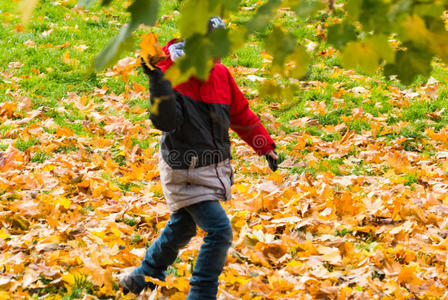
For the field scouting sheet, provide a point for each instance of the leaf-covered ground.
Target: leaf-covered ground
(358, 209)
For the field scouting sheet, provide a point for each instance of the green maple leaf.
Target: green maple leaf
(409, 64)
(341, 34)
(194, 17)
(280, 44)
(360, 54)
(263, 16)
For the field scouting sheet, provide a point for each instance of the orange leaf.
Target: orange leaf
(70, 61)
(138, 88)
(151, 51)
(64, 45)
(66, 57)
(19, 28)
(408, 275)
(7, 109)
(344, 204)
(64, 131)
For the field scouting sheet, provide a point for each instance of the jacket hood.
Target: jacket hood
(167, 63)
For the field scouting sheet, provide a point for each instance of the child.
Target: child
(195, 170)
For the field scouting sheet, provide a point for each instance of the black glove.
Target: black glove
(147, 70)
(272, 162)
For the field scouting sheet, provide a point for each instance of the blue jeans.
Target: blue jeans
(210, 217)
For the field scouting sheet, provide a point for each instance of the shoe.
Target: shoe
(130, 283)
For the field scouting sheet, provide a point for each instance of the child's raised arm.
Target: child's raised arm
(165, 113)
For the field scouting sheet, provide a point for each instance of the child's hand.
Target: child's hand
(148, 69)
(272, 159)
(145, 67)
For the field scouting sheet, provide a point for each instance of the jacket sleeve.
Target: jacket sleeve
(246, 124)
(166, 112)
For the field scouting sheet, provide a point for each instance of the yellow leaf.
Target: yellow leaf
(3, 234)
(279, 284)
(330, 254)
(182, 284)
(151, 52)
(48, 168)
(344, 204)
(415, 28)
(295, 267)
(276, 177)
(18, 221)
(64, 202)
(100, 234)
(178, 296)
(115, 231)
(4, 295)
(239, 219)
(64, 45)
(156, 281)
(69, 279)
(138, 88)
(241, 187)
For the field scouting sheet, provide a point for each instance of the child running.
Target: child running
(195, 169)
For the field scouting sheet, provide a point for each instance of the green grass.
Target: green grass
(45, 56)
(411, 178)
(81, 286)
(39, 157)
(23, 145)
(249, 56)
(143, 144)
(4, 129)
(130, 222)
(67, 149)
(136, 238)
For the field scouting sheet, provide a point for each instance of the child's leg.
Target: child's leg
(163, 251)
(212, 218)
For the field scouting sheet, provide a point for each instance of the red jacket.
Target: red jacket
(196, 116)
(222, 88)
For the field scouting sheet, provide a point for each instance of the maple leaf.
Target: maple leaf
(7, 109)
(436, 115)
(151, 52)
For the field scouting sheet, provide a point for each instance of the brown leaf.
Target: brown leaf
(43, 270)
(436, 115)
(303, 122)
(330, 254)
(19, 222)
(433, 90)
(29, 277)
(27, 207)
(414, 211)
